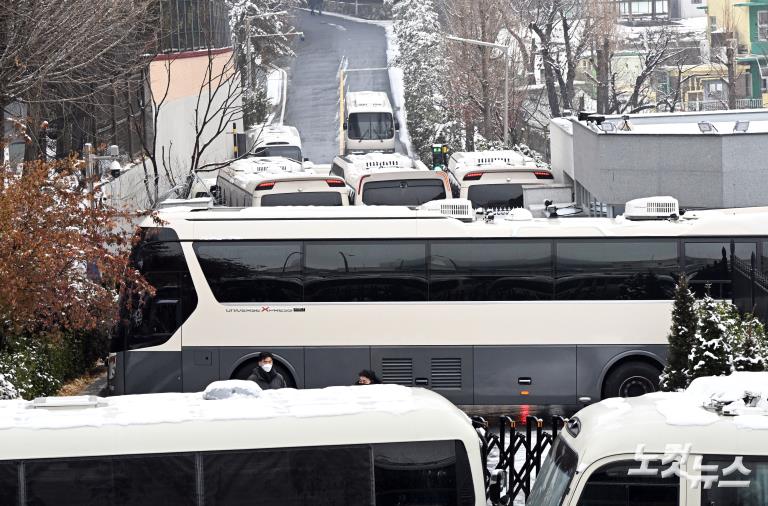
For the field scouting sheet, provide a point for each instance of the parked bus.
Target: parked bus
(390, 180)
(277, 181)
(369, 122)
(340, 446)
(664, 450)
(275, 140)
(500, 310)
(494, 179)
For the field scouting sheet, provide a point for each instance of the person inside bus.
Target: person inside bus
(264, 375)
(367, 377)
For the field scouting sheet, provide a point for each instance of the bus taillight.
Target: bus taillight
(266, 185)
(335, 183)
(473, 176)
(543, 174)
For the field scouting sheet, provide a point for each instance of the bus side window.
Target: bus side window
(745, 485)
(612, 484)
(9, 483)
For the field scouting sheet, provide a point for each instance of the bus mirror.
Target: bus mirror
(344, 125)
(397, 125)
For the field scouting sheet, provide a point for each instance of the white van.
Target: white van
(494, 179)
(275, 140)
(390, 179)
(360, 445)
(276, 181)
(702, 447)
(369, 122)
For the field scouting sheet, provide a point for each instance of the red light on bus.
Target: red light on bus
(473, 176)
(543, 174)
(335, 183)
(266, 185)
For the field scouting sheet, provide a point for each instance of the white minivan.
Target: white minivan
(390, 179)
(275, 140)
(706, 446)
(276, 181)
(494, 179)
(369, 122)
(236, 445)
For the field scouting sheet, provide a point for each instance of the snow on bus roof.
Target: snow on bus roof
(151, 409)
(711, 415)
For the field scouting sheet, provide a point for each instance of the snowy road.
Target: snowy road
(313, 85)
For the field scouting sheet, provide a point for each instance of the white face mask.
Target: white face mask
(266, 367)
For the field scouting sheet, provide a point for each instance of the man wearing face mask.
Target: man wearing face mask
(264, 375)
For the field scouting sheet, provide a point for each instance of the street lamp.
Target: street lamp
(506, 50)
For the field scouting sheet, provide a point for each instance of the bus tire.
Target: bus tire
(247, 368)
(631, 379)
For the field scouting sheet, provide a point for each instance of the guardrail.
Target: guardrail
(722, 105)
(513, 457)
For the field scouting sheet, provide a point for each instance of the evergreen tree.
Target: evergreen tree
(682, 336)
(749, 345)
(711, 353)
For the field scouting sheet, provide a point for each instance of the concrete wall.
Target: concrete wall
(699, 170)
(176, 123)
(561, 148)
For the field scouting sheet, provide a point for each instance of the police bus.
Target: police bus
(496, 309)
(369, 445)
(390, 180)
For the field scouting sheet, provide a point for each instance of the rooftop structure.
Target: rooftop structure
(705, 160)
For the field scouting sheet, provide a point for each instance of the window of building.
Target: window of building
(708, 263)
(753, 474)
(612, 484)
(616, 270)
(9, 483)
(696, 2)
(365, 271)
(490, 270)
(118, 481)
(713, 23)
(762, 25)
(252, 271)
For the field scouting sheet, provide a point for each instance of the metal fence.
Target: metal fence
(722, 105)
(513, 457)
(749, 286)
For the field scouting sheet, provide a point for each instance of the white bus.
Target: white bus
(276, 140)
(393, 179)
(494, 179)
(492, 311)
(664, 449)
(369, 122)
(378, 444)
(277, 181)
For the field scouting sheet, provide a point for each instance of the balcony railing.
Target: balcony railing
(722, 105)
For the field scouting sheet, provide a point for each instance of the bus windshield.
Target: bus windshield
(496, 195)
(370, 126)
(406, 192)
(558, 470)
(286, 151)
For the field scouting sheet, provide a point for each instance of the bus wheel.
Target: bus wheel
(631, 380)
(247, 368)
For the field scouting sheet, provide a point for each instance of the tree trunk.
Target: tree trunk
(731, 63)
(549, 81)
(603, 66)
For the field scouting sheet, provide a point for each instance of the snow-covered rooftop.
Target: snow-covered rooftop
(616, 426)
(273, 418)
(685, 123)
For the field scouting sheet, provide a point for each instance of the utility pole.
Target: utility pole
(506, 50)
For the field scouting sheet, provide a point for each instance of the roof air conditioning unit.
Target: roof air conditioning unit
(652, 208)
(460, 209)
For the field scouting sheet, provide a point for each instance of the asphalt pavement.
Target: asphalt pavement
(313, 83)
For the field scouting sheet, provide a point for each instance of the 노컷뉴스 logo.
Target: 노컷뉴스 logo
(693, 468)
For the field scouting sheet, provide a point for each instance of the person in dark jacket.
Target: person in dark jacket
(367, 377)
(264, 375)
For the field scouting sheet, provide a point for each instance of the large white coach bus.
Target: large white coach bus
(491, 311)
(377, 444)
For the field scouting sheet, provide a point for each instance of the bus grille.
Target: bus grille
(446, 373)
(397, 370)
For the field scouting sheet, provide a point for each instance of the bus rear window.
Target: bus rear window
(405, 192)
(370, 126)
(496, 195)
(552, 483)
(302, 199)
